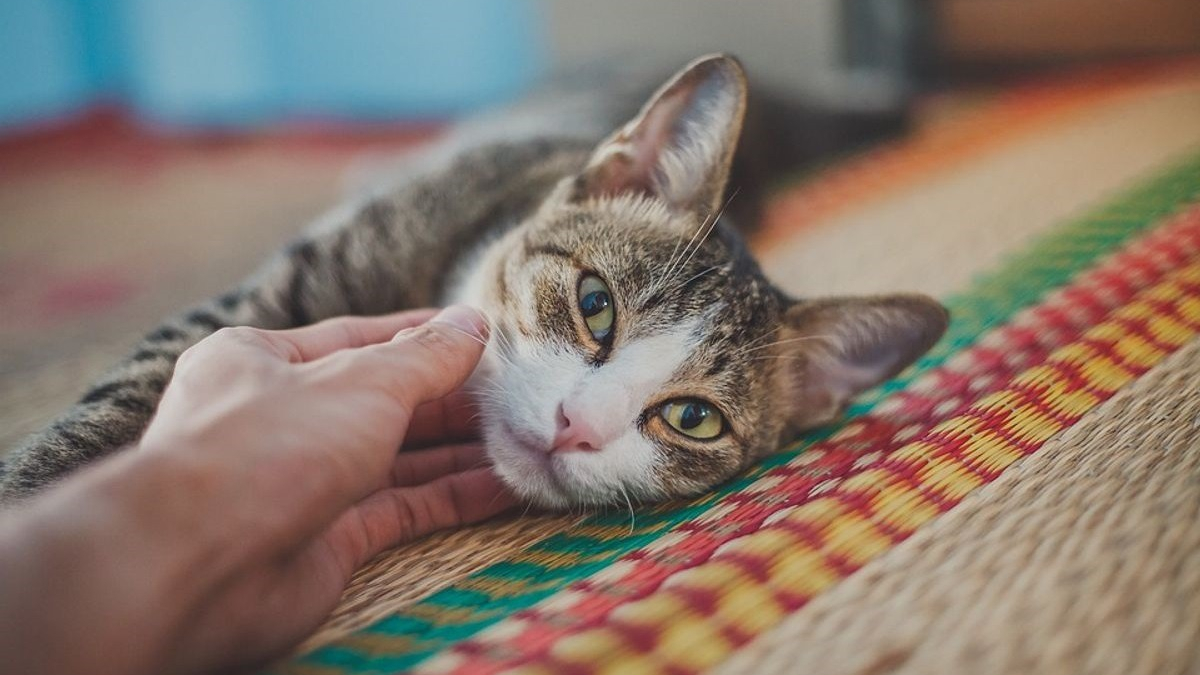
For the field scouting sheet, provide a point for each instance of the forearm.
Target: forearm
(101, 573)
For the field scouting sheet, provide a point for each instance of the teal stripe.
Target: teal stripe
(1049, 263)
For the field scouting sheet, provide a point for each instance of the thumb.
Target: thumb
(427, 362)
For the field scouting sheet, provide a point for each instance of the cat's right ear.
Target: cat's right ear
(680, 146)
(835, 348)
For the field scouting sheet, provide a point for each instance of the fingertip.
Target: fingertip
(430, 361)
(465, 318)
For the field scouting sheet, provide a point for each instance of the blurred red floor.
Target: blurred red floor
(107, 226)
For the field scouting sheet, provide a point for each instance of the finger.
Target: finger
(348, 332)
(418, 467)
(453, 417)
(427, 362)
(397, 515)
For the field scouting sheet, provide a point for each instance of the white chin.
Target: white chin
(527, 471)
(568, 479)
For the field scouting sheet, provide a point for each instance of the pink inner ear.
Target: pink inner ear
(631, 165)
(845, 380)
(618, 174)
(657, 130)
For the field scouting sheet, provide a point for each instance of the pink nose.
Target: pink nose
(574, 434)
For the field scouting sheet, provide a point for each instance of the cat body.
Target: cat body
(638, 352)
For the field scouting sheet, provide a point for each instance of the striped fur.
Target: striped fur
(475, 216)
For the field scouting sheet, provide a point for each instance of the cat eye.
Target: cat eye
(596, 305)
(694, 418)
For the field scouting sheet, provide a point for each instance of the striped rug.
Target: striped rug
(1026, 498)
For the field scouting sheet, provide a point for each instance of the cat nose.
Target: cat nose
(574, 434)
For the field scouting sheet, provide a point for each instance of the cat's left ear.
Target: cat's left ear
(680, 146)
(836, 348)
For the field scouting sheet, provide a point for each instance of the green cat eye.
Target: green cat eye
(694, 418)
(596, 305)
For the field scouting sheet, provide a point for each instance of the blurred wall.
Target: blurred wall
(246, 62)
(1046, 30)
(237, 62)
(42, 65)
(847, 52)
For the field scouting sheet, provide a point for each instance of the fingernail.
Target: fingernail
(465, 318)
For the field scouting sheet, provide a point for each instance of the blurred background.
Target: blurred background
(152, 151)
(183, 64)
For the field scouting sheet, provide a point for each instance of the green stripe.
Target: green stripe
(403, 640)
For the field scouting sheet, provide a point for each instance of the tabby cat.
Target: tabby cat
(638, 352)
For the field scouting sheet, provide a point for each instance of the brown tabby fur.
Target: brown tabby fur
(531, 213)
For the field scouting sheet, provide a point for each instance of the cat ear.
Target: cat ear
(840, 347)
(680, 146)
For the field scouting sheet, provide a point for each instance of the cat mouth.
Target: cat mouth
(559, 480)
(528, 468)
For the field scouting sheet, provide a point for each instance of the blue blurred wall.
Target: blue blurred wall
(239, 62)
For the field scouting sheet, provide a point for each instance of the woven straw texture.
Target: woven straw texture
(1084, 558)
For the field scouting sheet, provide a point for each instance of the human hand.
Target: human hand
(273, 473)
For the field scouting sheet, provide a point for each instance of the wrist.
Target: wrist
(174, 507)
(102, 563)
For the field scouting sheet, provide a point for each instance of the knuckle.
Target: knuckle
(457, 498)
(187, 357)
(225, 352)
(433, 338)
(238, 334)
(418, 364)
(405, 515)
(436, 344)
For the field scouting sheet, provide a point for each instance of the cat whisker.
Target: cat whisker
(674, 266)
(803, 338)
(698, 275)
(497, 496)
(671, 260)
(496, 395)
(670, 268)
(502, 357)
(778, 357)
(502, 341)
(502, 349)
(632, 516)
(501, 335)
(758, 340)
(688, 252)
(495, 386)
(670, 264)
(471, 335)
(709, 226)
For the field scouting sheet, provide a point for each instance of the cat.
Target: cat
(638, 352)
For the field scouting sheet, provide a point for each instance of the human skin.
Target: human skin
(268, 475)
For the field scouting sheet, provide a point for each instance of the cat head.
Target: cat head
(638, 352)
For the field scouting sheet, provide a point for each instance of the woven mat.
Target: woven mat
(1083, 558)
(1024, 499)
